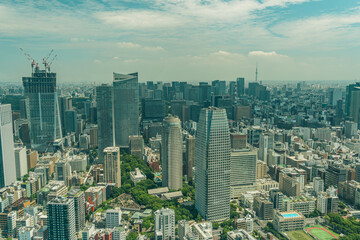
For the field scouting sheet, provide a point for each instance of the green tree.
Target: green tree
(132, 236)
(215, 225)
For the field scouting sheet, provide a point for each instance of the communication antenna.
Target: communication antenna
(256, 73)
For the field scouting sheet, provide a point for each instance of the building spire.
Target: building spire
(256, 73)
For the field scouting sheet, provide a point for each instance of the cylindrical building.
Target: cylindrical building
(171, 153)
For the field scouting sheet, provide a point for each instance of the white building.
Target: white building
(7, 154)
(78, 162)
(113, 218)
(242, 171)
(328, 202)
(239, 234)
(165, 224)
(266, 143)
(137, 176)
(112, 163)
(318, 185)
(26, 233)
(20, 161)
(203, 230)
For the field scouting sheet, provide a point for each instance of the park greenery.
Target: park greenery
(349, 226)
(141, 196)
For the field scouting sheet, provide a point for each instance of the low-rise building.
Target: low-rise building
(288, 221)
(239, 234)
(203, 230)
(246, 223)
(302, 204)
(137, 176)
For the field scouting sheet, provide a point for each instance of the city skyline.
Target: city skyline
(189, 40)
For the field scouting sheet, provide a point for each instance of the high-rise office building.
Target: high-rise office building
(104, 118)
(350, 129)
(7, 154)
(21, 161)
(70, 124)
(126, 107)
(190, 155)
(266, 143)
(113, 218)
(334, 175)
(45, 125)
(318, 185)
(171, 153)
(61, 218)
(238, 140)
(240, 84)
(357, 172)
(112, 169)
(352, 102)
(65, 103)
(242, 170)
(62, 171)
(153, 109)
(334, 94)
(212, 186)
(164, 224)
(136, 145)
(79, 204)
(204, 93)
(219, 87)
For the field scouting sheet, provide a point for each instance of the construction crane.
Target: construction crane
(91, 202)
(45, 59)
(32, 61)
(48, 65)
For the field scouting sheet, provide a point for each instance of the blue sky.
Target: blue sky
(183, 40)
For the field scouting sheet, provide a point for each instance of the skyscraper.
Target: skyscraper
(171, 153)
(112, 170)
(70, 121)
(240, 84)
(126, 107)
(7, 154)
(62, 171)
(104, 117)
(212, 187)
(79, 204)
(61, 219)
(45, 126)
(352, 102)
(164, 224)
(266, 143)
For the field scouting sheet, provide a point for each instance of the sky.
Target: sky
(182, 40)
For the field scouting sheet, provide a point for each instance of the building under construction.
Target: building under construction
(44, 118)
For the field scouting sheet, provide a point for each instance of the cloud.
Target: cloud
(328, 31)
(131, 45)
(97, 61)
(116, 58)
(128, 45)
(265, 54)
(138, 19)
